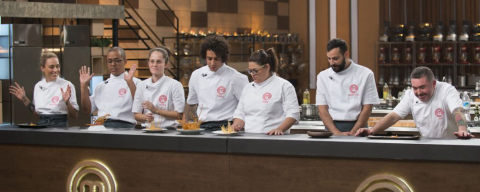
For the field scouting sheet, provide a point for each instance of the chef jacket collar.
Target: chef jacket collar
(268, 80)
(218, 72)
(150, 82)
(119, 77)
(46, 84)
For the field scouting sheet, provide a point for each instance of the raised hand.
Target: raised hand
(17, 91)
(85, 75)
(67, 94)
(131, 73)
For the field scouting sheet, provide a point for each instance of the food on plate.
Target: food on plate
(195, 125)
(227, 129)
(153, 126)
(32, 124)
(100, 120)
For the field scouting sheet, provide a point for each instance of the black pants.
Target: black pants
(53, 120)
(345, 126)
(115, 123)
(214, 125)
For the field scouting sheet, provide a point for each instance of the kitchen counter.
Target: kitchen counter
(248, 143)
(35, 159)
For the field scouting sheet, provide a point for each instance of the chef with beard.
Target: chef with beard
(346, 92)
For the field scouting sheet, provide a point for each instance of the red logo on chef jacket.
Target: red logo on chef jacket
(55, 99)
(439, 113)
(221, 91)
(266, 96)
(122, 92)
(162, 99)
(353, 90)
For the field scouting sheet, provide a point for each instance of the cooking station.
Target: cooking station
(207, 162)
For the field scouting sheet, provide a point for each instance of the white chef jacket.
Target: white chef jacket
(216, 93)
(48, 99)
(166, 94)
(347, 91)
(264, 106)
(434, 118)
(113, 97)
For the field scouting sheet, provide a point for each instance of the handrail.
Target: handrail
(177, 57)
(153, 32)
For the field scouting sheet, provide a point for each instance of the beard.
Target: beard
(339, 68)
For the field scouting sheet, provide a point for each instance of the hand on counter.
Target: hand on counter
(363, 132)
(463, 135)
(275, 132)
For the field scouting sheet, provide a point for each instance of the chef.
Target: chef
(268, 104)
(215, 88)
(346, 92)
(113, 96)
(53, 97)
(159, 99)
(435, 106)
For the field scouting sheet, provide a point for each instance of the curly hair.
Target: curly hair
(218, 45)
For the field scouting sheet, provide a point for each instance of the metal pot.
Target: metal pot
(309, 110)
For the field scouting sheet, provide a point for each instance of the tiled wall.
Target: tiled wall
(214, 15)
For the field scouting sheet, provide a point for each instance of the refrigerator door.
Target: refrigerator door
(72, 59)
(26, 72)
(75, 36)
(26, 35)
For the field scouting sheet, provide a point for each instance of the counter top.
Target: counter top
(249, 143)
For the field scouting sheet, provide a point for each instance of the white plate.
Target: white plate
(225, 134)
(190, 132)
(154, 131)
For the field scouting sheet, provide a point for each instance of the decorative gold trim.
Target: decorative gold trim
(384, 181)
(84, 168)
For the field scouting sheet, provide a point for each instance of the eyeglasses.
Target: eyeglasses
(116, 61)
(254, 71)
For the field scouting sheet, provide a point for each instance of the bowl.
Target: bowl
(319, 134)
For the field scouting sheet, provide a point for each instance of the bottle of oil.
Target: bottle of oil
(386, 91)
(306, 97)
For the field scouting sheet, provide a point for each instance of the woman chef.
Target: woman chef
(159, 98)
(268, 104)
(53, 97)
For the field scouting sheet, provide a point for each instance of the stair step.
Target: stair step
(135, 49)
(123, 28)
(133, 39)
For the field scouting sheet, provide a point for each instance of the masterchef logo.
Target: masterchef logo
(55, 100)
(162, 99)
(353, 90)
(122, 92)
(439, 113)
(266, 96)
(221, 91)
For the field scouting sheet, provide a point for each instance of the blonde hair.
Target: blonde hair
(45, 56)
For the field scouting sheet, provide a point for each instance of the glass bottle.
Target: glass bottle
(306, 97)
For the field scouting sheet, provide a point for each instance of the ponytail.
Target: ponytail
(262, 57)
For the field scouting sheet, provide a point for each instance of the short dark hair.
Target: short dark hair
(422, 71)
(262, 57)
(218, 45)
(120, 50)
(337, 43)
